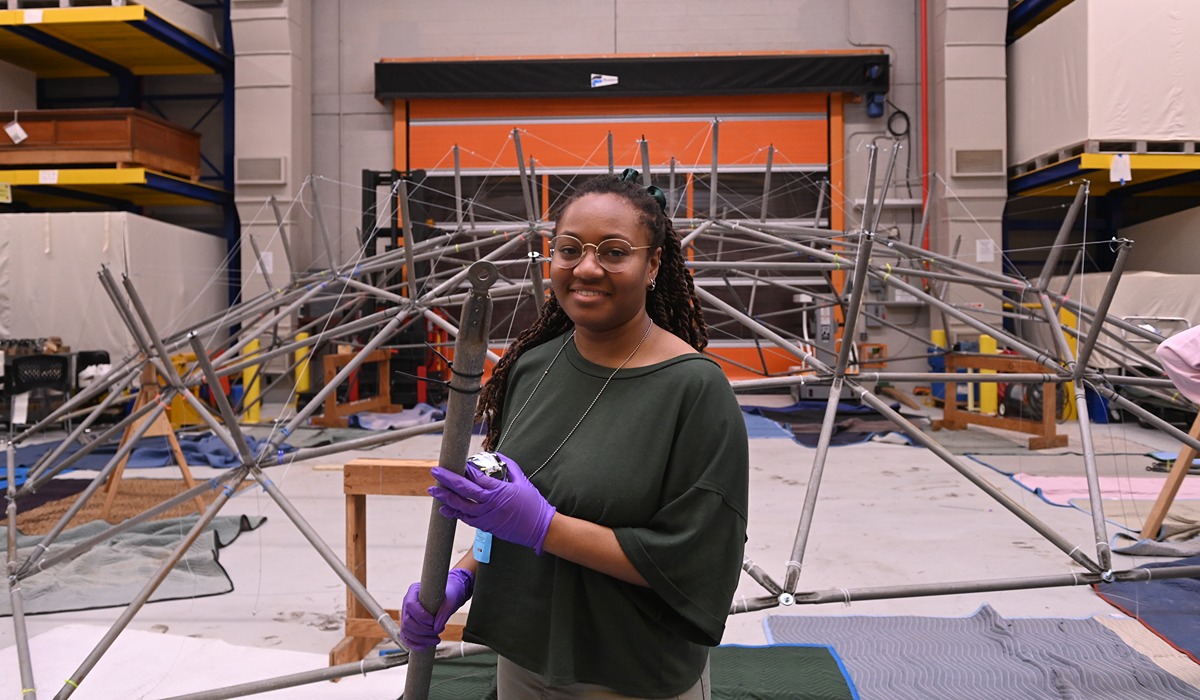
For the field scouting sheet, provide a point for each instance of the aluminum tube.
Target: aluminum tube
(539, 284)
(332, 385)
(1145, 415)
(1067, 358)
(1011, 584)
(919, 234)
(114, 395)
(1110, 291)
(850, 325)
(458, 198)
(258, 261)
(227, 416)
(762, 577)
(467, 371)
(171, 374)
(766, 195)
(456, 279)
(922, 254)
(1139, 381)
(83, 546)
(821, 195)
(644, 149)
(386, 296)
(20, 633)
(143, 596)
(762, 266)
(784, 344)
(694, 233)
(410, 267)
(1009, 339)
(1076, 266)
(957, 278)
(322, 548)
(864, 377)
(1060, 241)
(382, 438)
(35, 479)
(611, 161)
(449, 328)
(1103, 552)
(792, 578)
(849, 595)
(869, 201)
(367, 665)
(109, 283)
(887, 183)
(526, 195)
(283, 238)
(333, 263)
(712, 185)
(249, 334)
(81, 500)
(1012, 506)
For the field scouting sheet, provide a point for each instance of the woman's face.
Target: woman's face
(594, 298)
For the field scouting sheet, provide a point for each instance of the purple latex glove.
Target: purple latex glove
(512, 510)
(418, 629)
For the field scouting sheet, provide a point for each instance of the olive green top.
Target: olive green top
(661, 458)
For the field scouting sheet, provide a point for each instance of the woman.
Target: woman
(616, 542)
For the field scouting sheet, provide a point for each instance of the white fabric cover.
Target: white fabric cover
(1105, 70)
(49, 284)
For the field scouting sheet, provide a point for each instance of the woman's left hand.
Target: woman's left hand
(512, 510)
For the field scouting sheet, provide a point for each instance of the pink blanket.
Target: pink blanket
(1059, 490)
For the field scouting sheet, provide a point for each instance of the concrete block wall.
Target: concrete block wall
(968, 136)
(273, 133)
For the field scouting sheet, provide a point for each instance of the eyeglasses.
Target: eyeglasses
(614, 254)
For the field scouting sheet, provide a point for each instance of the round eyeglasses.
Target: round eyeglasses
(613, 254)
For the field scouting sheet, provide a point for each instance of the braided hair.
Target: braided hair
(672, 304)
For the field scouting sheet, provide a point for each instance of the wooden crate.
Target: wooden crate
(118, 136)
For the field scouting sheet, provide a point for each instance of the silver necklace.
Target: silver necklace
(571, 337)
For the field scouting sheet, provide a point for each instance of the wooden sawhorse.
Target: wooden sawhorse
(376, 477)
(1044, 431)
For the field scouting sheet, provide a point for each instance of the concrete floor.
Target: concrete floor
(886, 515)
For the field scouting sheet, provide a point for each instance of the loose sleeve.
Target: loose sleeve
(691, 551)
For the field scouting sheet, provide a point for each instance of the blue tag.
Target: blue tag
(482, 549)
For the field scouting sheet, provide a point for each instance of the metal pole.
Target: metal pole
(644, 147)
(671, 205)
(152, 585)
(469, 351)
(887, 183)
(869, 201)
(712, 189)
(458, 198)
(530, 214)
(766, 195)
(611, 163)
(410, 268)
(535, 275)
(324, 231)
(820, 203)
(784, 344)
(1060, 240)
(24, 663)
(1110, 291)
(259, 262)
(283, 238)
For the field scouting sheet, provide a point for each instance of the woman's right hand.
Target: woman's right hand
(420, 630)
